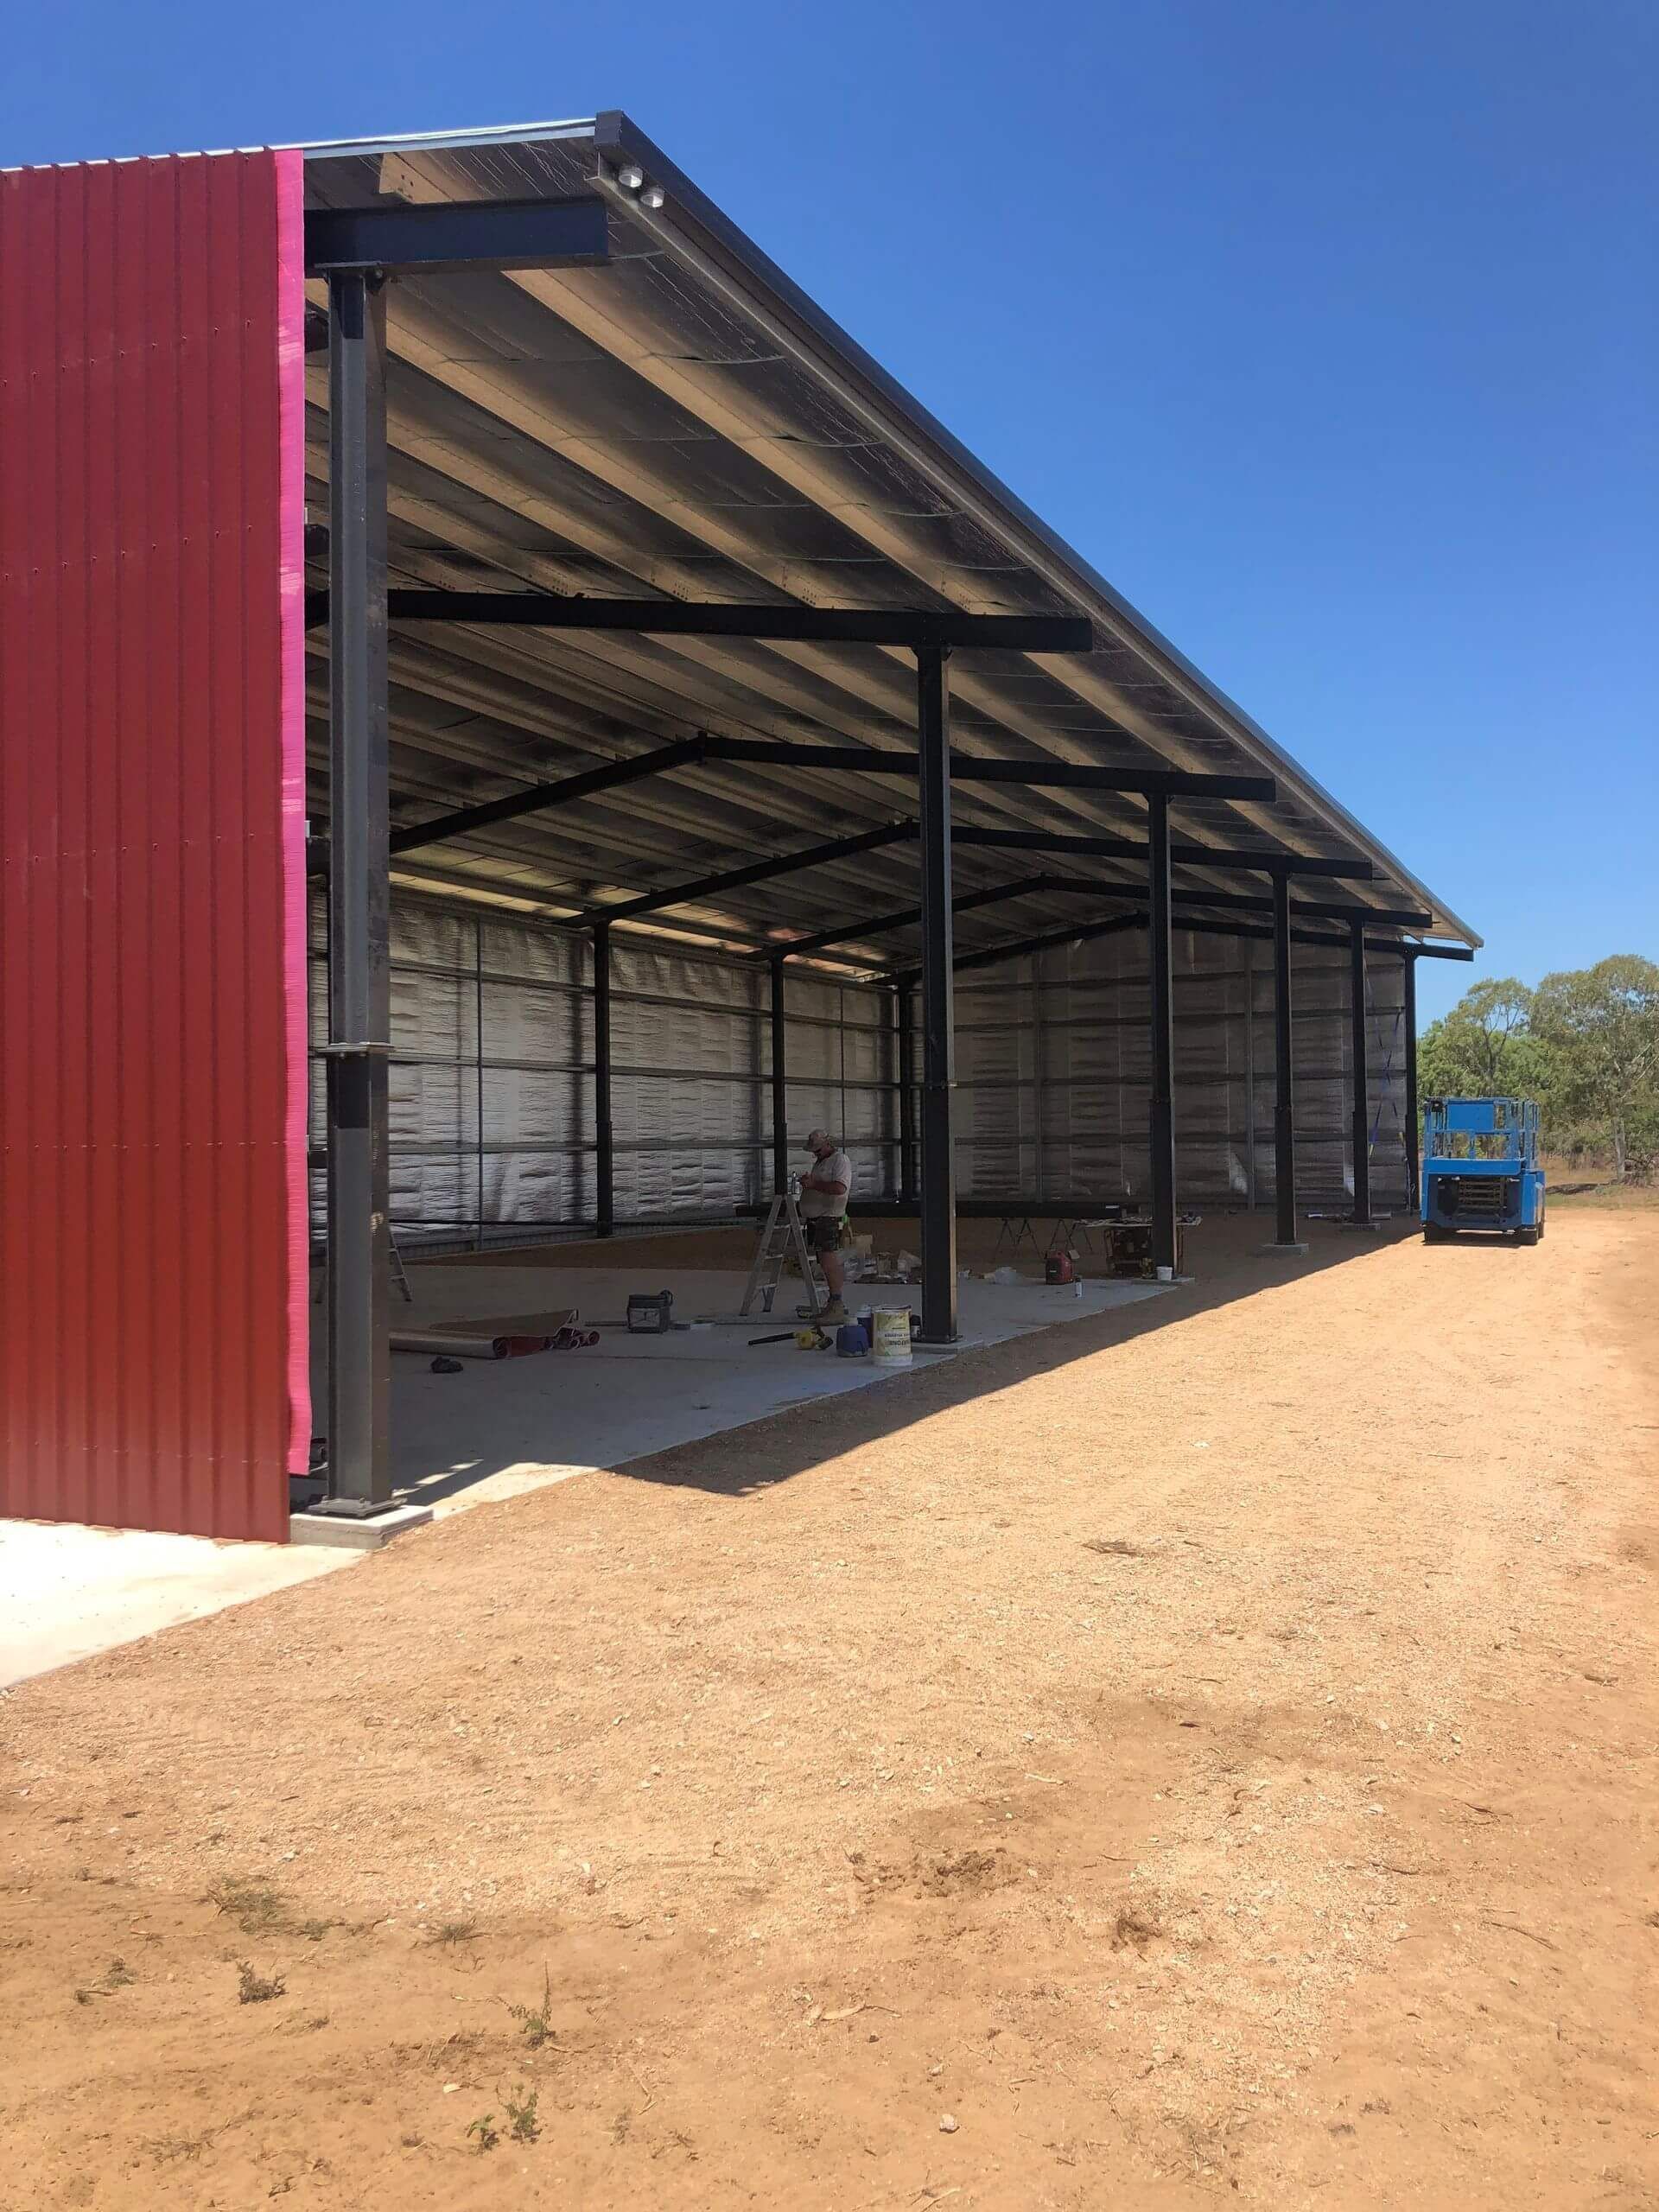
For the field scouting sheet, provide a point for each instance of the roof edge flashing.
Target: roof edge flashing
(451, 142)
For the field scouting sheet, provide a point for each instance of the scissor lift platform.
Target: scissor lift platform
(1480, 1169)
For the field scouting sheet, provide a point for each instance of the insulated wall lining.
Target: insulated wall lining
(1053, 1067)
(501, 1139)
(1054, 1062)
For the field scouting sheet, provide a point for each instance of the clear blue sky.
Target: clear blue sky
(1328, 331)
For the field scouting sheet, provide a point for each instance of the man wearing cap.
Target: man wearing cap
(825, 1192)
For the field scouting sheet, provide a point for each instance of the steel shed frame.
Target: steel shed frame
(738, 625)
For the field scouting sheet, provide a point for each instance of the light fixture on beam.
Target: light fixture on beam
(631, 178)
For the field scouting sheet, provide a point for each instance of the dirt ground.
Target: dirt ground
(1203, 1752)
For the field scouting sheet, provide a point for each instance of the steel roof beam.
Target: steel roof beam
(1113, 927)
(461, 235)
(907, 918)
(1130, 892)
(1242, 902)
(1232, 901)
(707, 886)
(1337, 944)
(467, 819)
(1123, 849)
(920, 627)
(1245, 902)
(971, 768)
(1017, 947)
(991, 954)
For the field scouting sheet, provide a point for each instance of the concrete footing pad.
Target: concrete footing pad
(1282, 1251)
(346, 1534)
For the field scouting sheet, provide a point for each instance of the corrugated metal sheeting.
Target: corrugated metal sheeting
(151, 1361)
(1052, 1062)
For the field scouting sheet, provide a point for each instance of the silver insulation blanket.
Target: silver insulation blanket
(492, 1084)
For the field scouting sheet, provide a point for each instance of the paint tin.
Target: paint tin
(892, 1335)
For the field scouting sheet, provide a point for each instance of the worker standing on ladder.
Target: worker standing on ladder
(824, 1193)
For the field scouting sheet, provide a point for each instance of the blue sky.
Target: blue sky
(1327, 331)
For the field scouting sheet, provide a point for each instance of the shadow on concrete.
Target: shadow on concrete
(777, 1445)
(810, 1434)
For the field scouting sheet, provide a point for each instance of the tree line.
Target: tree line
(1584, 1043)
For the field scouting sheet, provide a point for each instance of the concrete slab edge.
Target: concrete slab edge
(350, 1535)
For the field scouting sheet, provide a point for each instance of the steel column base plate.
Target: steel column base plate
(355, 1532)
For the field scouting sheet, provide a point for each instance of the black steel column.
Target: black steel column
(938, 1194)
(1362, 1079)
(1284, 1113)
(1413, 1171)
(359, 998)
(780, 1084)
(907, 1179)
(1163, 1033)
(604, 1149)
(478, 1078)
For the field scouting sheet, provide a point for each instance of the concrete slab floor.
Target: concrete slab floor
(496, 1428)
(68, 1591)
(501, 1427)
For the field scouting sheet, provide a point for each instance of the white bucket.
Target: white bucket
(891, 1344)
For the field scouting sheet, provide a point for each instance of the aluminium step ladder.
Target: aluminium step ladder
(395, 1258)
(783, 1238)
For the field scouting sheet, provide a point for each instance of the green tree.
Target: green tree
(1601, 1025)
(1479, 1049)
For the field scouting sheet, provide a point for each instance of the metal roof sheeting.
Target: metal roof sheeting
(683, 422)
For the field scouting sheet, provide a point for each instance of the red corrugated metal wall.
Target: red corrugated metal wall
(152, 1281)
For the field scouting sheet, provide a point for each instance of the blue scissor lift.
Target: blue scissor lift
(1480, 1168)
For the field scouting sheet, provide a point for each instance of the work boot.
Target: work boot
(831, 1315)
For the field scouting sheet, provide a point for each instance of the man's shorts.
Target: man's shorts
(824, 1233)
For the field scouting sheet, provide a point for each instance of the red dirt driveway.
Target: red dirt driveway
(1205, 1753)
